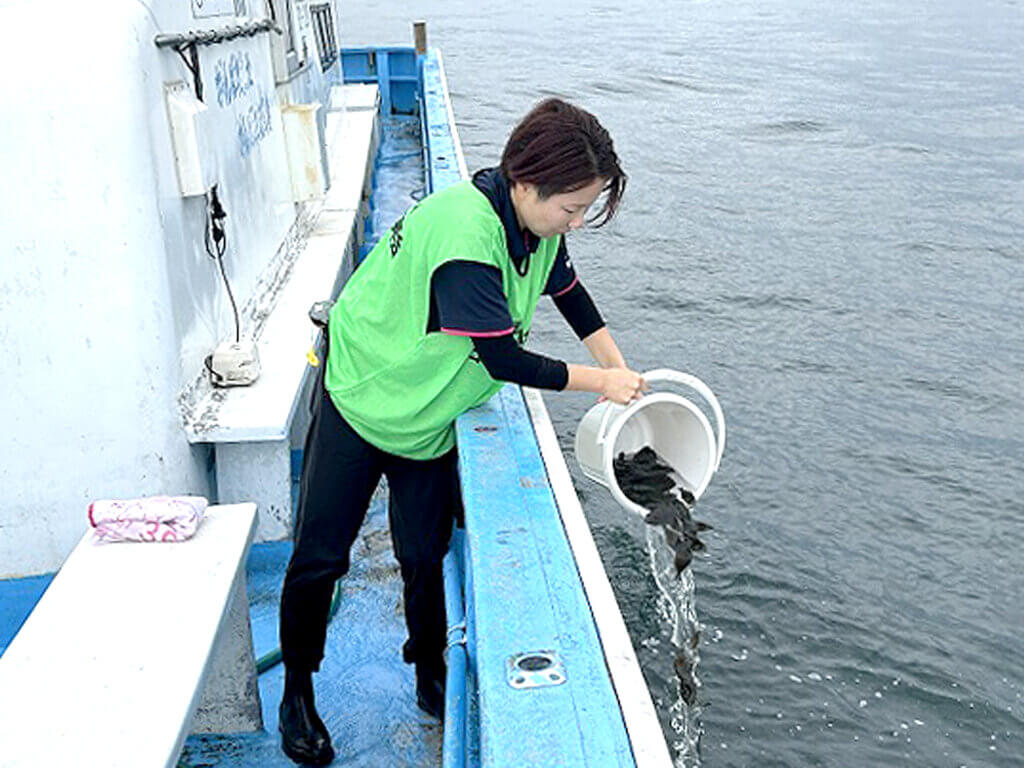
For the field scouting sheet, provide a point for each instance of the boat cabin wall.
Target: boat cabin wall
(108, 299)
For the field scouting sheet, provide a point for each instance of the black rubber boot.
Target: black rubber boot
(430, 682)
(304, 737)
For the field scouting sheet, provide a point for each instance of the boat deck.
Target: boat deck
(365, 693)
(528, 578)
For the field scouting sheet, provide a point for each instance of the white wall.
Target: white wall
(108, 301)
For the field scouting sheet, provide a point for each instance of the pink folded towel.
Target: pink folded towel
(156, 518)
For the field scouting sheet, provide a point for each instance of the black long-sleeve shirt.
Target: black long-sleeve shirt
(467, 300)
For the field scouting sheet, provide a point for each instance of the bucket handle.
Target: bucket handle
(602, 430)
(689, 380)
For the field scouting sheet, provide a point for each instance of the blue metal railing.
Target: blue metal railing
(454, 746)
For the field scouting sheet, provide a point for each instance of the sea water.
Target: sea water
(825, 222)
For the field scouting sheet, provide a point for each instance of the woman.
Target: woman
(429, 326)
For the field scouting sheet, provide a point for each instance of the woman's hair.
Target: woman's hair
(560, 148)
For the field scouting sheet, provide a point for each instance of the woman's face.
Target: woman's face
(555, 215)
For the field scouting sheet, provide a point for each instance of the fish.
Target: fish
(684, 675)
(647, 480)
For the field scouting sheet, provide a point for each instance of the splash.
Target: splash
(677, 609)
(671, 539)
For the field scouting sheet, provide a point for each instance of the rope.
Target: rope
(214, 36)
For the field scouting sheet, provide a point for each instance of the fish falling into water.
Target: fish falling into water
(646, 480)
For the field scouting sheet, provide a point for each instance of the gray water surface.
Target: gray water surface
(825, 222)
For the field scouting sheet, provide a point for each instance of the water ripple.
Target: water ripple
(672, 83)
(767, 302)
(823, 222)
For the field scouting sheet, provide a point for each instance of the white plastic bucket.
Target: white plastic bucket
(674, 427)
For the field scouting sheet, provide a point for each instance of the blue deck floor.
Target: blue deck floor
(365, 693)
(17, 599)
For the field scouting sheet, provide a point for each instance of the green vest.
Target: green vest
(400, 387)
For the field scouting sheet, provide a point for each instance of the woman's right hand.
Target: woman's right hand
(621, 385)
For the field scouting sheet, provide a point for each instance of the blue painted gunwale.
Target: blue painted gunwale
(525, 595)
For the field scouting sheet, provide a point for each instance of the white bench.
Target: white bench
(254, 428)
(132, 647)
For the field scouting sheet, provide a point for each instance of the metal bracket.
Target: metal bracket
(188, 43)
(192, 63)
(535, 669)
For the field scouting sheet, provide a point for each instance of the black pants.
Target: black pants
(339, 474)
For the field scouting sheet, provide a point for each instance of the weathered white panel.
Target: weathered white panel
(259, 472)
(108, 300)
(351, 162)
(202, 9)
(187, 116)
(253, 184)
(230, 702)
(87, 341)
(302, 138)
(302, 32)
(264, 410)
